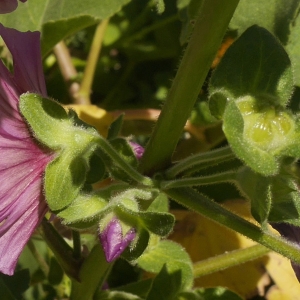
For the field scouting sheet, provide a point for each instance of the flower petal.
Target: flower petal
(112, 239)
(7, 6)
(21, 219)
(28, 69)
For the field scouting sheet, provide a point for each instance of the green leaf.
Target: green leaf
(159, 204)
(256, 64)
(64, 178)
(274, 15)
(285, 200)
(293, 48)
(12, 287)
(115, 128)
(217, 293)
(131, 254)
(85, 209)
(201, 115)
(57, 19)
(166, 285)
(56, 273)
(45, 116)
(190, 295)
(158, 223)
(175, 258)
(257, 189)
(116, 295)
(97, 169)
(5, 293)
(52, 126)
(140, 288)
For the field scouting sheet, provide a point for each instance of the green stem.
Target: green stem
(44, 266)
(212, 210)
(88, 75)
(210, 27)
(203, 180)
(62, 251)
(117, 159)
(93, 274)
(214, 157)
(76, 245)
(228, 259)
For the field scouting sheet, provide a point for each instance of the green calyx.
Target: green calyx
(269, 128)
(70, 139)
(250, 91)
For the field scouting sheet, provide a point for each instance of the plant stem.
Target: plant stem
(229, 259)
(76, 245)
(214, 157)
(89, 71)
(210, 27)
(44, 266)
(212, 210)
(62, 251)
(203, 180)
(67, 69)
(93, 274)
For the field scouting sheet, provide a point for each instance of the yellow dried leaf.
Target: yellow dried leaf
(93, 115)
(286, 286)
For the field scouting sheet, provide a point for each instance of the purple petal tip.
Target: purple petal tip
(137, 149)
(113, 241)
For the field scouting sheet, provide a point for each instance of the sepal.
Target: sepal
(250, 89)
(70, 139)
(259, 160)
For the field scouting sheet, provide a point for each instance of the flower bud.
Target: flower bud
(137, 149)
(113, 241)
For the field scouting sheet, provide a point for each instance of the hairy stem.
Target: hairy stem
(210, 27)
(212, 210)
(213, 157)
(229, 259)
(62, 251)
(93, 274)
(203, 180)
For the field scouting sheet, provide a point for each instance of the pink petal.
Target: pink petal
(28, 69)
(112, 239)
(20, 223)
(22, 161)
(7, 6)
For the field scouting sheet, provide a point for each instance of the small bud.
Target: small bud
(113, 241)
(137, 149)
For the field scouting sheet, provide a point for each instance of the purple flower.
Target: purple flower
(7, 6)
(22, 160)
(291, 233)
(137, 149)
(113, 241)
